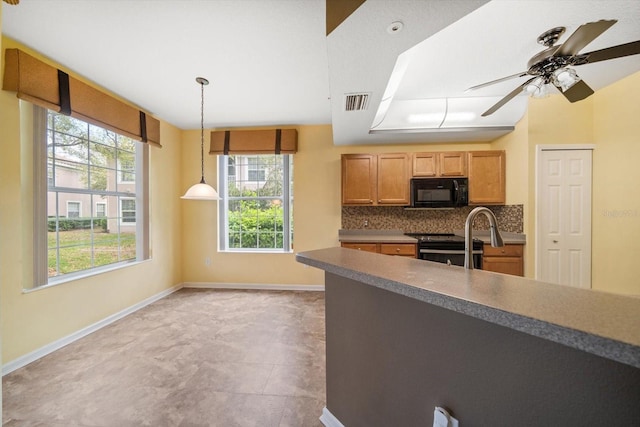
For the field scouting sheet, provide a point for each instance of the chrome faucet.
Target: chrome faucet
(496, 238)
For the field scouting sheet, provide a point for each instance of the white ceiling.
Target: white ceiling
(266, 60)
(270, 63)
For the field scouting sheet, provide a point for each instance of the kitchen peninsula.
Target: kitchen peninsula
(405, 335)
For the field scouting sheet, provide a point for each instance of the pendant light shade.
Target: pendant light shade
(201, 190)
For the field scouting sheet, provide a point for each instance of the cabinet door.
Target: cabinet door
(486, 177)
(507, 259)
(506, 265)
(359, 177)
(453, 163)
(425, 164)
(393, 179)
(367, 247)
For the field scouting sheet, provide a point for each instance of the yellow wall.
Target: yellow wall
(184, 233)
(317, 211)
(32, 320)
(616, 205)
(609, 120)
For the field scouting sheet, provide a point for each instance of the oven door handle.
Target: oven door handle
(447, 251)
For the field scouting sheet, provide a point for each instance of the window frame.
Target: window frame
(223, 204)
(121, 211)
(97, 214)
(41, 180)
(79, 204)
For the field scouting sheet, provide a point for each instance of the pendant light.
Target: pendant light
(202, 190)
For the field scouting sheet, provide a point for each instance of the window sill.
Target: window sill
(72, 277)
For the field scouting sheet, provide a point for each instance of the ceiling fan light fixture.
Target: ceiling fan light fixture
(564, 78)
(537, 88)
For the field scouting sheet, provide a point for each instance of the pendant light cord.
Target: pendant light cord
(202, 132)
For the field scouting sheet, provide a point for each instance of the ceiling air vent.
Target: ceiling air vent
(356, 101)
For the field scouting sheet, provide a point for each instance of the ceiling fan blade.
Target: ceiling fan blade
(507, 98)
(578, 92)
(585, 34)
(619, 51)
(513, 76)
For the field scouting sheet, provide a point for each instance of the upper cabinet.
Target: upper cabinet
(370, 179)
(384, 179)
(393, 179)
(487, 184)
(447, 164)
(359, 179)
(453, 163)
(425, 164)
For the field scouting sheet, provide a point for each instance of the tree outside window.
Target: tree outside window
(87, 166)
(256, 202)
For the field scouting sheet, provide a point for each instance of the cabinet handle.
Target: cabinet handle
(397, 249)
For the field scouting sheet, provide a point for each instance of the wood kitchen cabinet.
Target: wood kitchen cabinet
(397, 249)
(453, 163)
(446, 164)
(487, 182)
(370, 179)
(359, 179)
(367, 247)
(425, 165)
(507, 259)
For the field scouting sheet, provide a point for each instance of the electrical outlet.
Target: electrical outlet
(441, 418)
(207, 261)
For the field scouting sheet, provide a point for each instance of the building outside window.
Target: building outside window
(128, 210)
(256, 207)
(82, 166)
(73, 209)
(126, 166)
(257, 168)
(101, 210)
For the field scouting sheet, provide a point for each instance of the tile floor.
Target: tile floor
(195, 358)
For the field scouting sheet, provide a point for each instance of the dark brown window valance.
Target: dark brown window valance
(270, 141)
(46, 86)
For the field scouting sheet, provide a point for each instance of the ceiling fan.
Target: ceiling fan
(551, 66)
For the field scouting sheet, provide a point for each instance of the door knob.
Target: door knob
(555, 241)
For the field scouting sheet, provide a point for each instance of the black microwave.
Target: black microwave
(439, 192)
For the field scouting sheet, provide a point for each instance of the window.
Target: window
(257, 169)
(257, 203)
(73, 209)
(128, 211)
(101, 209)
(85, 165)
(126, 167)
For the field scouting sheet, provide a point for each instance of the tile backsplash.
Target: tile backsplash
(510, 218)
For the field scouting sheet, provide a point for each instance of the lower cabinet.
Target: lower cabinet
(507, 259)
(398, 249)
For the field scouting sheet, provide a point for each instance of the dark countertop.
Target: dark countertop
(374, 236)
(600, 323)
(508, 237)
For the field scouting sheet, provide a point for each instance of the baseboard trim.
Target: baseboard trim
(329, 420)
(58, 344)
(253, 286)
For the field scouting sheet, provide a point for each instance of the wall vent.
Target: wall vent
(356, 101)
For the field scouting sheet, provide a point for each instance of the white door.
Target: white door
(563, 231)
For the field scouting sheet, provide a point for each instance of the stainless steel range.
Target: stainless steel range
(446, 248)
